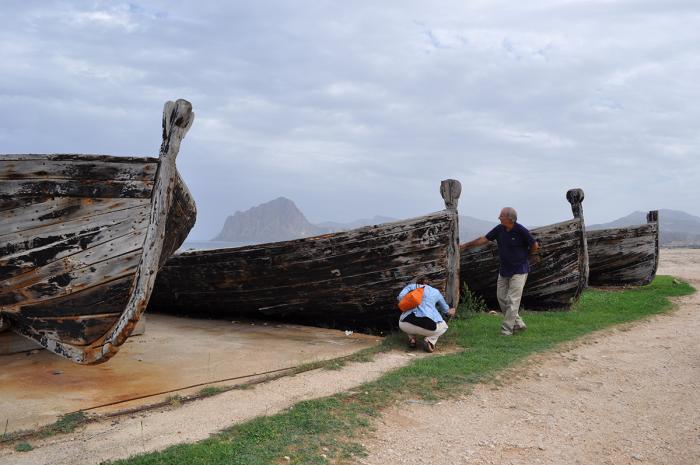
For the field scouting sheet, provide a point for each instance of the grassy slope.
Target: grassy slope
(325, 430)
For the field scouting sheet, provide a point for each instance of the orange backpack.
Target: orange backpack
(412, 299)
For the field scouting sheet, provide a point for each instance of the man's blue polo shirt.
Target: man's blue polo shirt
(513, 248)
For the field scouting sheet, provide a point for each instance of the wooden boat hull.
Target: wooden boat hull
(555, 282)
(81, 239)
(347, 280)
(624, 256)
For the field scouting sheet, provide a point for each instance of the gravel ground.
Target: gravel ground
(629, 395)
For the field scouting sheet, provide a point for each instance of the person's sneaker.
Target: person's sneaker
(506, 332)
(519, 329)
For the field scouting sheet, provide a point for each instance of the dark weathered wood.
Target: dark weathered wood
(78, 169)
(69, 188)
(555, 282)
(575, 198)
(82, 238)
(348, 279)
(625, 256)
(451, 189)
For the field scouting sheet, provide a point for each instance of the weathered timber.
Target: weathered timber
(83, 237)
(555, 282)
(625, 256)
(451, 189)
(345, 280)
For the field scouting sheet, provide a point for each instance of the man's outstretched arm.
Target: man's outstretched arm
(476, 242)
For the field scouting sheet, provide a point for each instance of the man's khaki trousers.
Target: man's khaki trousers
(509, 292)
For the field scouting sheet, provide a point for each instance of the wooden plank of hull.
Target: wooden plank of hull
(10, 203)
(555, 282)
(79, 330)
(85, 270)
(69, 188)
(77, 169)
(73, 273)
(29, 251)
(58, 214)
(349, 278)
(624, 256)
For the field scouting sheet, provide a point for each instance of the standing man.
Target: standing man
(515, 244)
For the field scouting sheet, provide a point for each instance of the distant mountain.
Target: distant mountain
(274, 221)
(678, 228)
(332, 226)
(471, 228)
(281, 220)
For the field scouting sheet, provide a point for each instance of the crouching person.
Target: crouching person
(425, 319)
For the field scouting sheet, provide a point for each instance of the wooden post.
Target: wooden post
(575, 198)
(653, 218)
(450, 189)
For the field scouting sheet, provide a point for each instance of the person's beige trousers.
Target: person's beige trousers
(509, 292)
(432, 336)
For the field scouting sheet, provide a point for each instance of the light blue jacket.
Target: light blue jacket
(432, 301)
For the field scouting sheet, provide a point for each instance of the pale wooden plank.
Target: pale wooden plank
(57, 211)
(58, 247)
(72, 273)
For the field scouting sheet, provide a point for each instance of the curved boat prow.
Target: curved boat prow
(86, 236)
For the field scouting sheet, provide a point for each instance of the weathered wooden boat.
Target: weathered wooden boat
(555, 282)
(344, 280)
(624, 256)
(82, 238)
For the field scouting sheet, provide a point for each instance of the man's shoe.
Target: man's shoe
(519, 329)
(506, 333)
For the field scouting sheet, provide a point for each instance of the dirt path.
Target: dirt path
(155, 430)
(627, 396)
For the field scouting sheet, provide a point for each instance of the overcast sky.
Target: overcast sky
(361, 108)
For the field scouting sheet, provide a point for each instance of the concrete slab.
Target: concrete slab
(175, 356)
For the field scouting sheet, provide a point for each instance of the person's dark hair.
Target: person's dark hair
(420, 279)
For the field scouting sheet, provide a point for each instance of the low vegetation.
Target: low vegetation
(65, 424)
(327, 430)
(23, 447)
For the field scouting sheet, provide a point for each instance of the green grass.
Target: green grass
(327, 430)
(65, 424)
(209, 391)
(23, 447)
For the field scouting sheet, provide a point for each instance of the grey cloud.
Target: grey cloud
(361, 109)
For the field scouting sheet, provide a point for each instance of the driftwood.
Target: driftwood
(625, 256)
(559, 277)
(345, 280)
(82, 238)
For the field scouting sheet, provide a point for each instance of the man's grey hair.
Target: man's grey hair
(511, 213)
